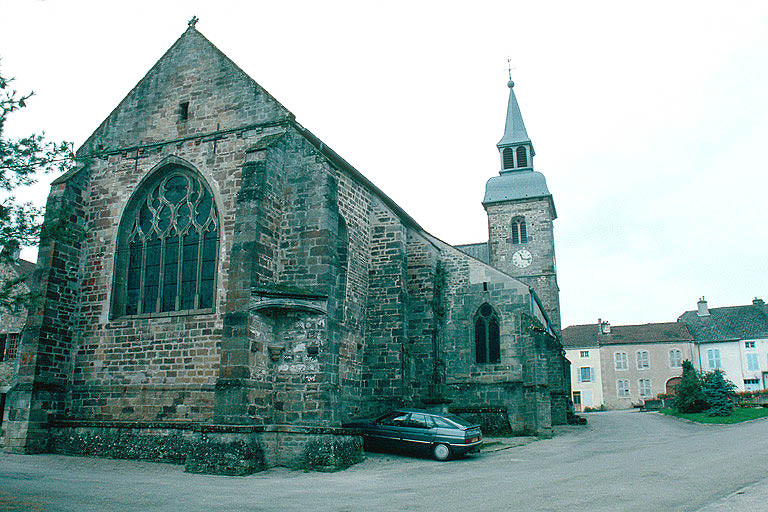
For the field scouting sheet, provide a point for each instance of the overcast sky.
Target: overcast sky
(649, 119)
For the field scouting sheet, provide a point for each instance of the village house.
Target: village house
(621, 366)
(733, 339)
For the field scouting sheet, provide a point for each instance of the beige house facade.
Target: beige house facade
(586, 377)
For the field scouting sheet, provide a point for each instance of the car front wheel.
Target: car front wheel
(441, 452)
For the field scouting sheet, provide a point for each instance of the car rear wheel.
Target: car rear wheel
(441, 452)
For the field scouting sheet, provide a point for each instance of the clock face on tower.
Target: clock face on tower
(522, 258)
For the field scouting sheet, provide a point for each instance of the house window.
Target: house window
(749, 344)
(487, 348)
(584, 353)
(519, 232)
(675, 358)
(751, 384)
(585, 374)
(621, 360)
(522, 157)
(508, 158)
(167, 246)
(713, 358)
(643, 361)
(645, 387)
(752, 363)
(622, 388)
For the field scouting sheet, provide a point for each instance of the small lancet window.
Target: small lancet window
(342, 255)
(508, 157)
(184, 110)
(487, 344)
(522, 157)
(519, 231)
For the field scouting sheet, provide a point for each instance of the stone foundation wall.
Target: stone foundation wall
(211, 449)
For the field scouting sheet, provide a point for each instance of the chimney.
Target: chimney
(605, 327)
(703, 309)
(758, 302)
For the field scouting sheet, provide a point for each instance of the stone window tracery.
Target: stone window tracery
(487, 342)
(167, 246)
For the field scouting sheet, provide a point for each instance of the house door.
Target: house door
(577, 401)
(671, 388)
(765, 380)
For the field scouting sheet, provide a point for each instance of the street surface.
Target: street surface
(623, 460)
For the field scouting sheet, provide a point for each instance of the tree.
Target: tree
(690, 397)
(21, 161)
(719, 393)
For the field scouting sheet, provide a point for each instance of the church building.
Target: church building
(219, 285)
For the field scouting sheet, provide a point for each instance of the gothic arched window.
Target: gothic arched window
(522, 158)
(519, 232)
(166, 246)
(487, 347)
(508, 158)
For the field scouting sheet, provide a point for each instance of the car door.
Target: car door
(418, 431)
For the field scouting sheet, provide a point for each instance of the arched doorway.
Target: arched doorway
(671, 387)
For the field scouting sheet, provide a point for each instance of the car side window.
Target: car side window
(442, 422)
(419, 421)
(395, 418)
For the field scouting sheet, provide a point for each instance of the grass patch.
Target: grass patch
(738, 415)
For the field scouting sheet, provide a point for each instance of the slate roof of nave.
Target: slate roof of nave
(728, 323)
(478, 251)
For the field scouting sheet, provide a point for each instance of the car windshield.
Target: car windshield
(455, 419)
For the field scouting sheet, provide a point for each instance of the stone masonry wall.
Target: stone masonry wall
(541, 274)
(423, 328)
(383, 385)
(46, 343)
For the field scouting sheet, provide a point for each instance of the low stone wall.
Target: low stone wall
(492, 420)
(209, 448)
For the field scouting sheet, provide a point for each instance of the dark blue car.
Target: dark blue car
(442, 435)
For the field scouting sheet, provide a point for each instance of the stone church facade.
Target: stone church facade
(221, 281)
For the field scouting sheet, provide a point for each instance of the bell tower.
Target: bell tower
(521, 212)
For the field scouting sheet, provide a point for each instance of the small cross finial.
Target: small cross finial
(193, 21)
(509, 67)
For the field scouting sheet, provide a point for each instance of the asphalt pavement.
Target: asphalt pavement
(624, 460)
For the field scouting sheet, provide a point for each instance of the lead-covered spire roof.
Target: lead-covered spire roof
(514, 130)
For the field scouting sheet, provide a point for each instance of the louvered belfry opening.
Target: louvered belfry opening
(487, 344)
(508, 157)
(522, 157)
(519, 231)
(167, 246)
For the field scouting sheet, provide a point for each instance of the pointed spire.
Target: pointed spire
(514, 130)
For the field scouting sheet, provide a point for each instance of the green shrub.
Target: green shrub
(719, 393)
(690, 396)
